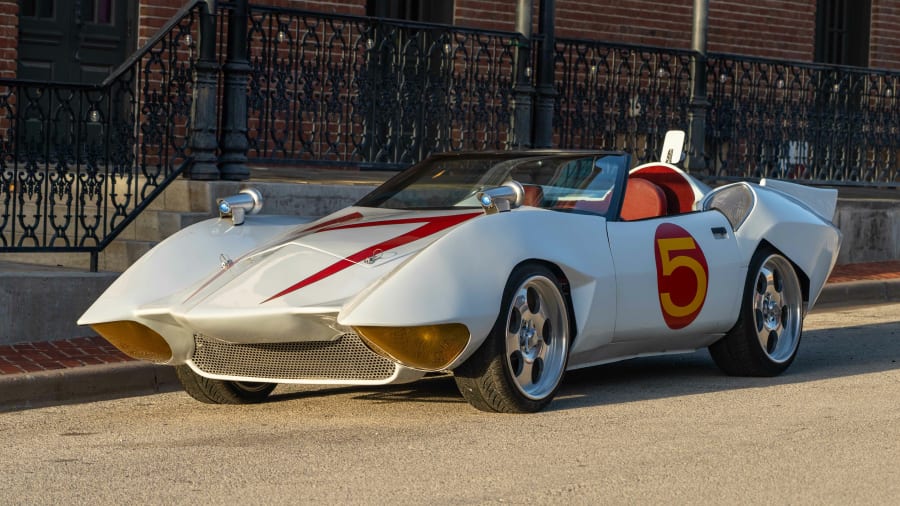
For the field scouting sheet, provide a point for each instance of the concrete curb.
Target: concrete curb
(80, 384)
(854, 293)
(98, 382)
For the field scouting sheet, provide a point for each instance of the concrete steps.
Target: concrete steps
(186, 202)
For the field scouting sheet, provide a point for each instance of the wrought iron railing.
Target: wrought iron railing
(788, 120)
(619, 96)
(332, 89)
(78, 163)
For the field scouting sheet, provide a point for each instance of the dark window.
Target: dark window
(429, 11)
(842, 32)
(37, 8)
(98, 11)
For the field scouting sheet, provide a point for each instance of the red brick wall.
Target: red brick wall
(628, 21)
(487, 14)
(784, 29)
(769, 28)
(9, 35)
(152, 14)
(884, 44)
(155, 13)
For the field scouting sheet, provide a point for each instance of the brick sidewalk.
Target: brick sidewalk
(866, 271)
(82, 351)
(52, 355)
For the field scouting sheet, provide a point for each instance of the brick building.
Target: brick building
(862, 33)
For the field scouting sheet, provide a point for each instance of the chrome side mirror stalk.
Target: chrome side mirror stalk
(501, 198)
(236, 207)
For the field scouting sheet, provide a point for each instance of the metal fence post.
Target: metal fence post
(233, 162)
(203, 107)
(523, 90)
(546, 92)
(696, 153)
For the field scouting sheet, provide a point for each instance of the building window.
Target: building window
(97, 11)
(38, 8)
(428, 11)
(842, 32)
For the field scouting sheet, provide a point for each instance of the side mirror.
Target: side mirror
(501, 198)
(248, 201)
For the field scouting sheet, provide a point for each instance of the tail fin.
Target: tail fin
(822, 201)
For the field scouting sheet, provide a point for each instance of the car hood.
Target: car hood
(311, 270)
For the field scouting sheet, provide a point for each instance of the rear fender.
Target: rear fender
(806, 238)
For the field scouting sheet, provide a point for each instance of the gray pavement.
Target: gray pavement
(655, 430)
(95, 382)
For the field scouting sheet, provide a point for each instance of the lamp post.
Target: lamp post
(233, 162)
(546, 92)
(204, 119)
(523, 90)
(696, 153)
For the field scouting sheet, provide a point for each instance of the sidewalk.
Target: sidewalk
(88, 368)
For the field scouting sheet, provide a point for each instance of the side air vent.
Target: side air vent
(735, 201)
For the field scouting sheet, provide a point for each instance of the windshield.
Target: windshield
(581, 182)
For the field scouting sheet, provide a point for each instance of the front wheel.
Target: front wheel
(212, 391)
(519, 367)
(765, 339)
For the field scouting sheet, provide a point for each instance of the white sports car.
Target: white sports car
(504, 268)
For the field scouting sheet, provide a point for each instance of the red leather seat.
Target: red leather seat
(643, 199)
(534, 195)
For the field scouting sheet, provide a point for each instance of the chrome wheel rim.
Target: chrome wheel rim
(777, 303)
(537, 337)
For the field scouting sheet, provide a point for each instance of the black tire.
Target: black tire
(520, 365)
(213, 391)
(766, 337)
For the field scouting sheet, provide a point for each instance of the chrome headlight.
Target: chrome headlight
(248, 201)
(501, 198)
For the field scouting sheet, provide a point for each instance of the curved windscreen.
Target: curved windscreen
(570, 182)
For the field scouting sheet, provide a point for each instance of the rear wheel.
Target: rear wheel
(213, 391)
(519, 367)
(765, 339)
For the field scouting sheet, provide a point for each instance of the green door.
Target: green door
(76, 41)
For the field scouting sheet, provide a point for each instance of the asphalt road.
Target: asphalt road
(655, 430)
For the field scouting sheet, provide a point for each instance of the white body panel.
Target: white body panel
(282, 280)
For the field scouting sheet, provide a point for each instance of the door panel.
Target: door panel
(79, 41)
(675, 275)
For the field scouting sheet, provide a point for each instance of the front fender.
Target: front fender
(183, 261)
(460, 278)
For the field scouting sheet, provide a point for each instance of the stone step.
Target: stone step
(187, 202)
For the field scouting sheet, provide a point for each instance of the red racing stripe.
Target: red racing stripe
(430, 226)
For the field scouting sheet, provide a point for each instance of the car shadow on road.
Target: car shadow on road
(824, 354)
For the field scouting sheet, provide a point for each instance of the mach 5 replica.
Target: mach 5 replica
(505, 269)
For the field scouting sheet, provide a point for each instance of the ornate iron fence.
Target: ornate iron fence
(619, 96)
(79, 163)
(814, 123)
(331, 89)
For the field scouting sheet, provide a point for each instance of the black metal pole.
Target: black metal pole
(203, 109)
(233, 162)
(546, 92)
(696, 153)
(523, 90)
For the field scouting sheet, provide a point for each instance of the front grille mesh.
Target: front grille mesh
(346, 358)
